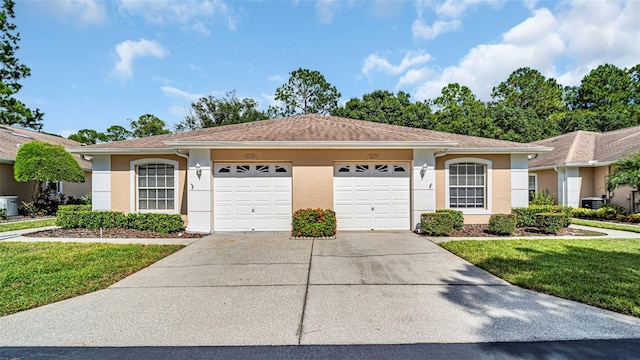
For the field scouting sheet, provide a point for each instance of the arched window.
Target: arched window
(468, 185)
(154, 185)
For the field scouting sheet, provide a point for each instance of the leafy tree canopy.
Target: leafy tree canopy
(90, 137)
(211, 111)
(626, 173)
(41, 161)
(12, 111)
(306, 92)
(148, 125)
(386, 107)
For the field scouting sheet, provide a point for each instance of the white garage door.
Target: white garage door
(252, 197)
(372, 196)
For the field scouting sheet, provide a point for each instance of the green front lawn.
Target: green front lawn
(30, 224)
(603, 272)
(35, 274)
(606, 225)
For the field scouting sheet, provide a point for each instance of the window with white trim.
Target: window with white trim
(533, 185)
(154, 185)
(467, 185)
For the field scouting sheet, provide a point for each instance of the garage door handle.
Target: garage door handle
(372, 209)
(253, 210)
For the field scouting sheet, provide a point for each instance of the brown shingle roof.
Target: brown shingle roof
(12, 137)
(580, 147)
(311, 127)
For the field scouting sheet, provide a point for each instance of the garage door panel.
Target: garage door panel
(378, 198)
(252, 197)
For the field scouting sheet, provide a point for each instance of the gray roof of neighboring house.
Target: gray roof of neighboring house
(582, 147)
(12, 137)
(311, 128)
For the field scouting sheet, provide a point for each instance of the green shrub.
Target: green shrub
(632, 218)
(3, 214)
(614, 207)
(162, 223)
(502, 224)
(543, 198)
(607, 213)
(74, 208)
(582, 213)
(77, 216)
(550, 223)
(526, 216)
(456, 215)
(314, 223)
(436, 224)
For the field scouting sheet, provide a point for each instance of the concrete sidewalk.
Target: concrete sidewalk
(265, 289)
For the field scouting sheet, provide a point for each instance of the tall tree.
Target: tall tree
(13, 111)
(148, 125)
(460, 112)
(210, 111)
(612, 94)
(386, 107)
(116, 133)
(528, 89)
(87, 137)
(306, 92)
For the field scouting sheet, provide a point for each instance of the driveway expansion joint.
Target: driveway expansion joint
(380, 255)
(227, 264)
(306, 293)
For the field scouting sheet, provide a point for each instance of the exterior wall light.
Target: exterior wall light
(198, 170)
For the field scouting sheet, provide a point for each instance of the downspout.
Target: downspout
(182, 154)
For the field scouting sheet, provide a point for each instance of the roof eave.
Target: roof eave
(311, 144)
(116, 151)
(575, 164)
(501, 150)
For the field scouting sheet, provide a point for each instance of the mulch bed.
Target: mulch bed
(111, 234)
(482, 230)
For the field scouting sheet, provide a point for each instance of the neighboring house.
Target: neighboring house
(253, 176)
(579, 164)
(11, 138)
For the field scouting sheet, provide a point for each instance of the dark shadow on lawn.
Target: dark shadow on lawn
(515, 314)
(585, 349)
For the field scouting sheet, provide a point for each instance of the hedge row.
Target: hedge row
(606, 213)
(77, 216)
(526, 216)
(314, 223)
(456, 216)
(437, 224)
(502, 224)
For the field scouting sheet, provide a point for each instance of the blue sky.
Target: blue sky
(98, 63)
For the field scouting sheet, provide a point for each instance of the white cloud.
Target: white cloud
(377, 63)
(79, 12)
(581, 35)
(447, 13)
(275, 78)
(326, 9)
(128, 50)
(175, 92)
(270, 100)
(193, 14)
(414, 76)
(420, 30)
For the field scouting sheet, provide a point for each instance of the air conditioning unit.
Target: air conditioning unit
(9, 203)
(592, 202)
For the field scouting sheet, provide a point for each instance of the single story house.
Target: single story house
(11, 138)
(253, 176)
(580, 163)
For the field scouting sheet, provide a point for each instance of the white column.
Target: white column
(423, 185)
(101, 182)
(519, 180)
(562, 187)
(199, 188)
(573, 186)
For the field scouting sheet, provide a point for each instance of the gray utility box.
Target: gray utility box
(9, 203)
(592, 202)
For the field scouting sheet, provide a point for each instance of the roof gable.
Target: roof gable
(584, 147)
(310, 128)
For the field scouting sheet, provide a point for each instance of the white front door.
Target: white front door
(252, 197)
(372, 196)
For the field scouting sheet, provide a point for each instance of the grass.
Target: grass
(603, 272)
(606, 225)
(35, 274)
(21, 225)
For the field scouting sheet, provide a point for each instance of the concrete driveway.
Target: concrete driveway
(264, 289)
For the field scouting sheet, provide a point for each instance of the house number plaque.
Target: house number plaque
(250, 156)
